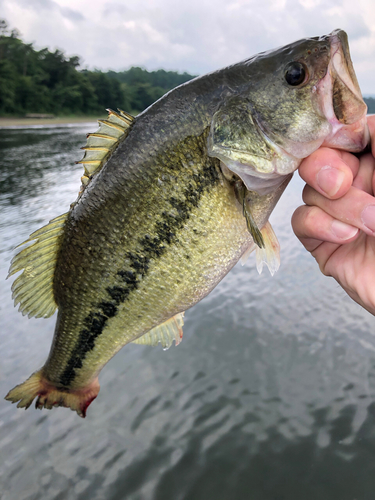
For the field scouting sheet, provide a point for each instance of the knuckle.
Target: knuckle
(298, 215)
(323, 269)
(322, 263)
(310, 217)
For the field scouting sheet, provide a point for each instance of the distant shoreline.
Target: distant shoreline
(22, 122)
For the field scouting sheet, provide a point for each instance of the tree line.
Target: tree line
(41, 81)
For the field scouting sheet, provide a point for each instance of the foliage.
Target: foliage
(40, 81)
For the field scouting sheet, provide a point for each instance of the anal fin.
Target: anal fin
(270, 254)
(165, 334)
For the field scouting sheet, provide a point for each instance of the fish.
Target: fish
(171, 200)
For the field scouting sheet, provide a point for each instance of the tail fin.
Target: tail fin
(49, 395)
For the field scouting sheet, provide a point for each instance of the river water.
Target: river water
(270, 395)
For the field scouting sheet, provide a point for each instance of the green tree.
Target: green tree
(33, 81)
(8, 80)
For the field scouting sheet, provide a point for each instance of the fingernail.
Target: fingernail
(329, 180)
(368, 217)
(342, 230)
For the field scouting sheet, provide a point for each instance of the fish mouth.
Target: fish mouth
(342, 101)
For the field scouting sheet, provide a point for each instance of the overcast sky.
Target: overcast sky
(196, 36)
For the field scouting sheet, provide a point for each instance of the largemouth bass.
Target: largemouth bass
(171, 200)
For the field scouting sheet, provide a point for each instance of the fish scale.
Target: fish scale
(167, 232)
(171, 200)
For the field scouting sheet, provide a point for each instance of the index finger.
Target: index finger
(329, 171)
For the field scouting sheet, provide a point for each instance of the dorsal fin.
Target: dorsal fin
(165, 334)
(33, 289)
(101, 144)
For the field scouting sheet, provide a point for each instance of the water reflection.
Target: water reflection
(29, 156)
(270, 396)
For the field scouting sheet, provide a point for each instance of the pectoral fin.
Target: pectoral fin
(165, 334)
(270, 254)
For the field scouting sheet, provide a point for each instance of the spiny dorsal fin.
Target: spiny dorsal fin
(102, 143)
(165, 333)
(33, 289)
(270, 254)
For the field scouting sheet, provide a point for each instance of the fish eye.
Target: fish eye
(295, 74)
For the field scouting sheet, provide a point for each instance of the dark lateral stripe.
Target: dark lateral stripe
(149, 248)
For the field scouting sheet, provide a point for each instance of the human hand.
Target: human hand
(337, 224)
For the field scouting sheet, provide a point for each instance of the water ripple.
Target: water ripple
(270, 396)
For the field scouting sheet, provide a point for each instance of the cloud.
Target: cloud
(192, 36)
(71, 14)
(113, 8)
(40, 5)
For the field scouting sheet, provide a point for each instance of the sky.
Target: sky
(196, 36)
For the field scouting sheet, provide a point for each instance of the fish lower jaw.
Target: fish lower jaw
(351, 137)
(48, 395)
(354, 137)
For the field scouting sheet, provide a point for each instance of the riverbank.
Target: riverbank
(22, 122)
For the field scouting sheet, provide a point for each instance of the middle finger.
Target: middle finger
(356, 207)
(364, 178)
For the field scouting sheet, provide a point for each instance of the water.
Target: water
(270, 396)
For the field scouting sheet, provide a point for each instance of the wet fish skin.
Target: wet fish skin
(179, 242)
(161, 224)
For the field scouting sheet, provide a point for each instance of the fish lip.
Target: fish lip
(349, 129)
(341, 64)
